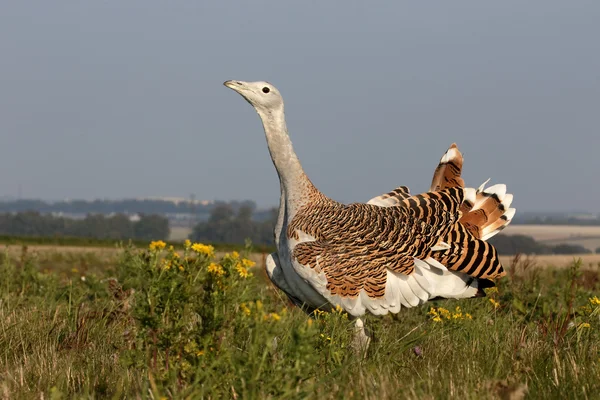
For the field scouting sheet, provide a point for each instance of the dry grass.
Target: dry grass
(179, 233)
(559, 261)
(587, 236)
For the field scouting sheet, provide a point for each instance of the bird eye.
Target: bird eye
(266, 90)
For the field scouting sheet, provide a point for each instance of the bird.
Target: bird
(395, 251)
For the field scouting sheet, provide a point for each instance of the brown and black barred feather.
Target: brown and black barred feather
(447, 174)
(356, 244)
(393, 198)
(470, 255)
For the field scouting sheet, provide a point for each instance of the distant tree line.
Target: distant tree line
(515, 244)
(118, 226)
(128, 206)
(72, 208)
(226, 225)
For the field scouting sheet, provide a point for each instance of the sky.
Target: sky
(114, 99)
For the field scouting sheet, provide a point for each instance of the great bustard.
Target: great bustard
(395, 251)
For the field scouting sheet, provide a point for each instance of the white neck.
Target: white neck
(287, 164)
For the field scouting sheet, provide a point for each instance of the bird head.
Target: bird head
(262, 95)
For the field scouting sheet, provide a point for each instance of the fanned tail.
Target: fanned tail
(485, 212)
(490, 211)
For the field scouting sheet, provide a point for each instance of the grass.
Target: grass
(152, 324)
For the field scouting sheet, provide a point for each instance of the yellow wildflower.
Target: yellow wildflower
(216, 269)
(318, 313)
(271, 316)
(584, 325)
(339, 309)
(275, 317)
(595, 301)
(468, 316)
(171, 248)
(309, 322)
(437, 319)
(235, 254)
(200, 353)
(166, 265)
(181, 268)
(259, 305)
(248, 263)
(495, 303)
(187, 244)
(157, 245)
(444, 313)
(457, 316)
(242, 271)
(245, 308)
(200, 248)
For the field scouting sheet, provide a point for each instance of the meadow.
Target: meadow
(162, 323)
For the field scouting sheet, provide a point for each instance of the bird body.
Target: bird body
(395, 251)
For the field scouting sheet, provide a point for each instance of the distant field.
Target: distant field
(558, 261)
(587, 236)
(179, 233)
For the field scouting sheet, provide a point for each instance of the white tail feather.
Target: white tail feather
(498, 216)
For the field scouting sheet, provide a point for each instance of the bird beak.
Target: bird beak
(235, 85)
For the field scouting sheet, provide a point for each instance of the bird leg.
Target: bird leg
(361, 339)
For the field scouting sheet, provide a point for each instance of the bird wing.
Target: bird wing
(354, 245)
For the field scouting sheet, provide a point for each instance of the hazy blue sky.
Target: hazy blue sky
(121, 99)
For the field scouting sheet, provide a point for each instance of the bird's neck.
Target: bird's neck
(294, 183)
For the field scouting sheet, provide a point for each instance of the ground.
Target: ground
(155, 323)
